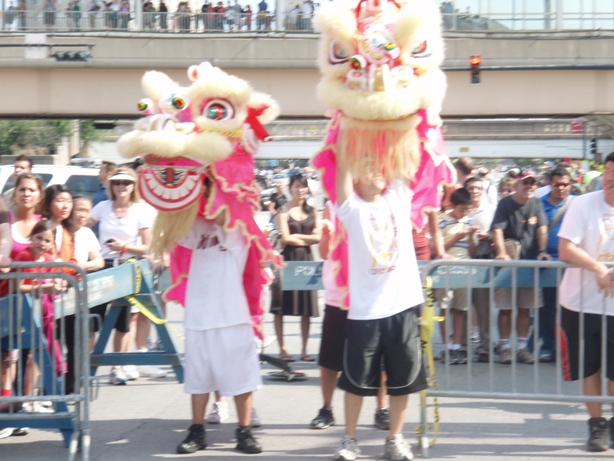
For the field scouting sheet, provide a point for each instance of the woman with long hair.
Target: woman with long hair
(299, 226)
(124, 232)
(22, 217)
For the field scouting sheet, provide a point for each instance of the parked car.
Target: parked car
(80, 181)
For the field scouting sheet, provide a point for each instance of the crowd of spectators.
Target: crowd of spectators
(124, 232)
(116, 14)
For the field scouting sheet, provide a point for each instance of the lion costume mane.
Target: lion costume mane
(211, 128)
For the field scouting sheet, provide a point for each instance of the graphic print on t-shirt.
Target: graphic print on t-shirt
(605, 245)
(383, 242)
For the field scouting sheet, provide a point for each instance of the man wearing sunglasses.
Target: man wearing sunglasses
(520, 220)
(555, 205)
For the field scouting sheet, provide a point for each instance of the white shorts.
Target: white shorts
(222, 359)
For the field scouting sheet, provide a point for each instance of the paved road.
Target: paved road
(147, 418)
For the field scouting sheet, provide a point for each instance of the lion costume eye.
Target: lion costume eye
(421, 51)
(336, 54)
(218, 110)
(179, 103)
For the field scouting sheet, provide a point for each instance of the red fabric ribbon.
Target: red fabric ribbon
(252, 119)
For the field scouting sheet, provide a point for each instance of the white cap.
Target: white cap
(122, 177)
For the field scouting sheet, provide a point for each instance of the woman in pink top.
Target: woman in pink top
(27, 195)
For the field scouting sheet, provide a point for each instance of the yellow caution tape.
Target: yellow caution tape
(133, 301)
(427, 326)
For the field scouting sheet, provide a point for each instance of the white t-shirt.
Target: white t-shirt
(215, 297)
(482, 218)
(85, 241)
(383, 271)
(140, 216)
(589, 223)
(545, 190)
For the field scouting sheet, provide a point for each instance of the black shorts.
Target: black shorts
(334, 327)
(393, 341)
(570, 344)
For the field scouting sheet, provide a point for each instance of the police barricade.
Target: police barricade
(39, 320)
(493, 380)
(490, 379)
(130, 284)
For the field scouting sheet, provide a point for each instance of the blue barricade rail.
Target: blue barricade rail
(307, 275)
(122, 285)
(20, 328)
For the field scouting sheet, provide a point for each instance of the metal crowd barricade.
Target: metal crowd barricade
(34, 330)
(515, 381)
(126, 285)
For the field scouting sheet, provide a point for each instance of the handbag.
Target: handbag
(513, 248)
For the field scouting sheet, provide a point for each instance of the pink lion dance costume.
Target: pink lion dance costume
(381, 80)
(211, 128)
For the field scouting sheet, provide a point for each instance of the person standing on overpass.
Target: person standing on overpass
(586, 240)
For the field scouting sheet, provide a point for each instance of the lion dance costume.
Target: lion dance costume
(382, 83)
(211, 128)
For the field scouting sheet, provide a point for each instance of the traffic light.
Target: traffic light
(475, 62)
(71, 56)
(593, 147)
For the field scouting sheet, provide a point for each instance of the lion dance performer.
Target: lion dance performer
(383, 165)
(198, 143)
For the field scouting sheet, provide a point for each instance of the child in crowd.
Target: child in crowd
(457, 233)
(40, 250)
(385, 290)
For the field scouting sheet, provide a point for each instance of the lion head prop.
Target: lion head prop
(381, 80)
(380, 68)
(211, 128)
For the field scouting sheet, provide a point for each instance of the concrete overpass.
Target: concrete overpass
(548, 74)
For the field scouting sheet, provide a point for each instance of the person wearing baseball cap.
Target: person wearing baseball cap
(520, 231)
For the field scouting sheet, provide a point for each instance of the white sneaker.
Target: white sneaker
(4, 433)
(117, 376)
(219, 413)
(151, 371)
(255, 419)
(131, 372)
(397, 449)
(36, 407)
(348, 450)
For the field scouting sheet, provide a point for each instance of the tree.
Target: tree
(24, 136)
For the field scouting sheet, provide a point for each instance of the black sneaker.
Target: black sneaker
(382, 419)
(195, 440)
(457, 357)
(246, 441)
(324, 419)
(598, 438)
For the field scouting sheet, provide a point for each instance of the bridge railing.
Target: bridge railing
(254, 22)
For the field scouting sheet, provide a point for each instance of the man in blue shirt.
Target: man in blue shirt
(555, 204)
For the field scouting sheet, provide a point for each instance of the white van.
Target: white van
(80, 181)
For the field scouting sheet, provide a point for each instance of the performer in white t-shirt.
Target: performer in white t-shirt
(586, 240)
(220, 351)
(330, 357)
(385, 290)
